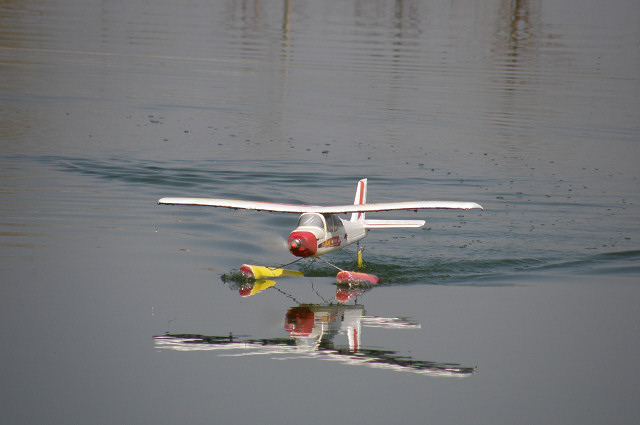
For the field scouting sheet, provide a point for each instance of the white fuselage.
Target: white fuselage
(318, 234)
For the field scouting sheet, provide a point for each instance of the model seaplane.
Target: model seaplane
(321, 230)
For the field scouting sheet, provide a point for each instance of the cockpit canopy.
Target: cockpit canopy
(311, 220)
(334, 224)
(324, 222)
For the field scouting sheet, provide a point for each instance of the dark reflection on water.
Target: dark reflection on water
(289, 349)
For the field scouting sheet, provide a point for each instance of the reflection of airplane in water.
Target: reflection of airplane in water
(313, 328)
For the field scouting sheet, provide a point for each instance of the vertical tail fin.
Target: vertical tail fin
(361, 198)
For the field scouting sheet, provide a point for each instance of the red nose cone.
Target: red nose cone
(303, 244)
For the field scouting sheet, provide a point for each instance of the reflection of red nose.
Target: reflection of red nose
(303, 244)
(299, 321)
(344, 294)
(245, 291)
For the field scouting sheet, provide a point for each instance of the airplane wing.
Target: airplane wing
(244, 205)
(334, 209)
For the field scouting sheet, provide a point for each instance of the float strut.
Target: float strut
(360, 262)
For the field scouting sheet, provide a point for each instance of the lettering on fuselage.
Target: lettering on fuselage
(331, 242)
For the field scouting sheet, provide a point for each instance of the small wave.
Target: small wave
(616, 263)
(137, 172)
(197, 175)
(436, 271)
(484, 272)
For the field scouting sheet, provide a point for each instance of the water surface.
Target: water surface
(115, 307)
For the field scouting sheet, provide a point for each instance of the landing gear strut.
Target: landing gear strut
(360, 263)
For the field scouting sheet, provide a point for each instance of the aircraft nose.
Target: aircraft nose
(303, 244)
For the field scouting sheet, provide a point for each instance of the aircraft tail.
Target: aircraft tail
(361, 198)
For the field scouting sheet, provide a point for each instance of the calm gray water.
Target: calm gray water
(114, 309)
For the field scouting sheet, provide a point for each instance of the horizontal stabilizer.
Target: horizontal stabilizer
(334, 209)
(392, 224)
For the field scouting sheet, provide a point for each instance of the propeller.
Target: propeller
(303, 244)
